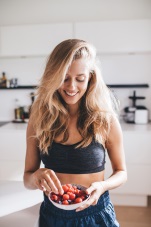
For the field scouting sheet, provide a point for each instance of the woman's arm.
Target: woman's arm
(115, 149)
(34, 176)
(116, 154)
(32, 159)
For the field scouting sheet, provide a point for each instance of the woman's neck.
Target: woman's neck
(73, 110)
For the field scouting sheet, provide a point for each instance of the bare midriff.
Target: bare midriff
(81, 179)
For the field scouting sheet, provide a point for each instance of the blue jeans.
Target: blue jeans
(100, 215)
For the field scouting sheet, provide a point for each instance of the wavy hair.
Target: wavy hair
(49, 113)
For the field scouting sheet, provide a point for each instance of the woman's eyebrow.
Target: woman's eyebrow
(81, 74)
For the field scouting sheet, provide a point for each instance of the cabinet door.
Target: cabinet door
(137, 146)
(12, 152)
(138, 182)
(117, 36)
(29, 40)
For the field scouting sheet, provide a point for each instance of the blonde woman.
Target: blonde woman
(72, 125)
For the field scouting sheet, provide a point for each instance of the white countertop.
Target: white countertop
(135, 127)
(14, 127)
(125, 127)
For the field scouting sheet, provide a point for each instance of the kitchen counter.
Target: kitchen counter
(137, 145)
(125, 127)
(13, 127)
(3, 123)
(135, 127)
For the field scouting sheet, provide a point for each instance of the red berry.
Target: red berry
(65, 188)
(77, 191)
(78, 200)
(69, 185)
(54, 197)
(65, 202)
(72, 196)
(65, 197)
(82, 197)
(71, 190)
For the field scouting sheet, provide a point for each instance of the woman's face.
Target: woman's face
(76, 82)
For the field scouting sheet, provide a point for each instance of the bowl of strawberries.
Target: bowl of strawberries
(73, 197)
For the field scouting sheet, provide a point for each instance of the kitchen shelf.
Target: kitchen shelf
(19, 87)
(109, 85)
(128, 85)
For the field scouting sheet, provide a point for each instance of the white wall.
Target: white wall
(128, 69)
(115, 68)
(28, 71)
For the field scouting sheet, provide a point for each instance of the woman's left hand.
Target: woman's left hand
(95, 191)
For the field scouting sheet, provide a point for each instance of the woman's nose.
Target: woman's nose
(72, 84)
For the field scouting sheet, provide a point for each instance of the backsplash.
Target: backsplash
(116, 69)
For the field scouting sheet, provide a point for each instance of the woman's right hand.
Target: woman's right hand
(47, 181)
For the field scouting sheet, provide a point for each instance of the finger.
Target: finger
(92, 201)
(56, 183)
(47, 193)
(45, 186)
(82, 207)
(86, 205)
(39, 186)
(53, 186)
(90, 189)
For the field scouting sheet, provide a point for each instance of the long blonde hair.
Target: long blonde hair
(49, 114)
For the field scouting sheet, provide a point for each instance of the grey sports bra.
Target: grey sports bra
(68, 159)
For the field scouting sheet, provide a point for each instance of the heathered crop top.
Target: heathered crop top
(68, 159)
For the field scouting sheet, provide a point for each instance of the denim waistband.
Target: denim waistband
(103, 201)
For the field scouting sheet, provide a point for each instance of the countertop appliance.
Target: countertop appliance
(141, 116)
(136, 114)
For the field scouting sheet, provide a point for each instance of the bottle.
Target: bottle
(17, 110)
(8, 83)
(4, 79)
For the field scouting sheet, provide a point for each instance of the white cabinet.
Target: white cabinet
(125, 36)
(12, 151)
(116, 36)
(137, 146)
(32, 40)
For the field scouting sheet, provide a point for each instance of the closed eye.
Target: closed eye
(80, 78)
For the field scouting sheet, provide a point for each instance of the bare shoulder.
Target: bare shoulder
(114, 145)
(115, 134)
(30, 129)
(114, 142)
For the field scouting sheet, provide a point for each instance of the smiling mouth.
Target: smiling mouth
(71, 94)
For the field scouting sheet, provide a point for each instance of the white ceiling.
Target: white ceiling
(17, 12)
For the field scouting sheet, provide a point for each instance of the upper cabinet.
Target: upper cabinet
(117, 36)
(129, 36)
(32, 40)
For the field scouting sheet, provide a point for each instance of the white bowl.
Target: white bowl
(70, 206)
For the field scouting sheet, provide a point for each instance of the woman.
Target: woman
(72, 124)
